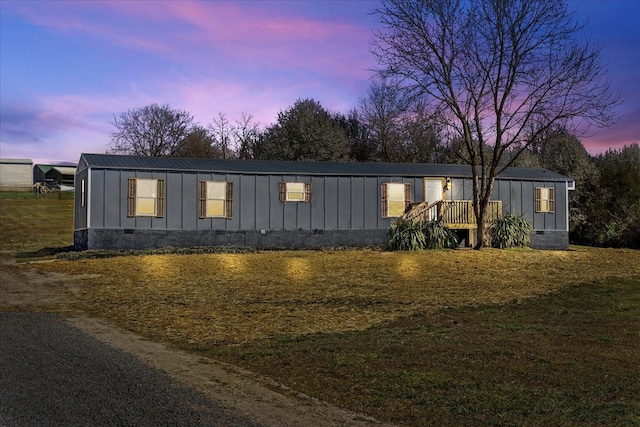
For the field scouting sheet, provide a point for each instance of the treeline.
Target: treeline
(604, 207)
(304, 132)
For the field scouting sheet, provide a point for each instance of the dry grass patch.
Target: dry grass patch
(497, 337)
(520, 345)
(235, 298)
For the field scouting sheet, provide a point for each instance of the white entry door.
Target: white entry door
(433, 192)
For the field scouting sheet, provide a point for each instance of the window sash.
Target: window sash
(83, 194)
(395, 197)
(545, 199)
(295, 192)
(215, 199)
(145, 197)
(146, 206)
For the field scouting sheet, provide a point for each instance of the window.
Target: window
(216, 199)
(395, 199)
(545, 199)
(82, 194)
(145, 197)
(295, 192)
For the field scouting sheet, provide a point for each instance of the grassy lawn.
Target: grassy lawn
(496, 337)
(30, 224)
(567, 359)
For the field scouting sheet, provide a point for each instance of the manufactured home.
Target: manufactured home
(130, 202)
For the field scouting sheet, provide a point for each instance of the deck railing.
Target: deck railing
(452, 213)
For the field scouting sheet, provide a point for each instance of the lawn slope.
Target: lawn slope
(496, 337)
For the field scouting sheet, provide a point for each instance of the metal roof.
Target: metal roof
(65, 170)
(263, 167)
(16, 161)
(44, 168)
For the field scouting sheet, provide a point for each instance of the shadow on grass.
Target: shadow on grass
(44, 252)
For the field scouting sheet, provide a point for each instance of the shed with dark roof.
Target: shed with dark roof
(131, 202)
(61, 175)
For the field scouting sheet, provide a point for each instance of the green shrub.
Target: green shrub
(439, 236)
(404, 235)
(510, 231)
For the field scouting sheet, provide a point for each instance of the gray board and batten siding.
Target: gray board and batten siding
(343, 207)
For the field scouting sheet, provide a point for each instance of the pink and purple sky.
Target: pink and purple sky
(66, 67)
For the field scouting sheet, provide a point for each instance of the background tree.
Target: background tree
(246, 133)
(304, 132)
(154, 130)
(362, 145)
(197, 144)
(381, 110)
(421, 140)
(617, 222)
(494, 69)
(222, 133)
(562, 152)
(401, 129)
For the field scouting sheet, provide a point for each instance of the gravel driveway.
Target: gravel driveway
(69, 370)
(52, 374)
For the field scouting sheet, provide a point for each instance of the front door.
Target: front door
(433, 192)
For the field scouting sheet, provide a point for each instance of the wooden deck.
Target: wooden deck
(455, 214)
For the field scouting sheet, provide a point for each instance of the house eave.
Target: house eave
(285, 168)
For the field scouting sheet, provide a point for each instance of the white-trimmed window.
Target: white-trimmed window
(83, 194)
(145, 197)
(215, 199)
(295, 192)
(395, 199)
(545, 199)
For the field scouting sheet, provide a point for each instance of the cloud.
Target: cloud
(254, 57)
(228, 34)
(226, 56)
(84, 19)
(56, 127)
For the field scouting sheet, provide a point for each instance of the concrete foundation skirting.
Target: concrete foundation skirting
(118, 239)
(114, 239)
(550, 239)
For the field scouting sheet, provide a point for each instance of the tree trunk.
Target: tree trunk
(482, 209)
(482, 201)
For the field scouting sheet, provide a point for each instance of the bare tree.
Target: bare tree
(246, 133)
(381, 112)
(154, 130)
(422, 141)
(494, 69)
(402, 129)
(222, 133)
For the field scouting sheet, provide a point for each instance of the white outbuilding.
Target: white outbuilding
(16, 174)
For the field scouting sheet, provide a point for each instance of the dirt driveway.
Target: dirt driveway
(245, 393)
